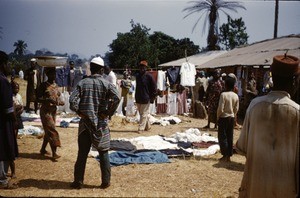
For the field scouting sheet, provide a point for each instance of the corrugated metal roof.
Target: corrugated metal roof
(259, 53)
(197, 59)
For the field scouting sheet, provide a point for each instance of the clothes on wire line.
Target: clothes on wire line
(187, 74)
(173, 75)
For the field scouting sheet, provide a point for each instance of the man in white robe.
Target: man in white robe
(270, 136)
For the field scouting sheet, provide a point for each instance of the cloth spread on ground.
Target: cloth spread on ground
(32, 119)
(180, 144)
(203, 144)
(164, 121)
(125, 157)
(30, 130)
(119, 145)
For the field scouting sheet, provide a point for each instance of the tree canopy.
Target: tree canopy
(233, 33)
(138, 44)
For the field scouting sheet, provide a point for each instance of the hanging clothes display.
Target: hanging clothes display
(161, 80)
(182, 106)
(173, 74)
(161, 101)
(172, 104)
(161, 106)
(187, 74)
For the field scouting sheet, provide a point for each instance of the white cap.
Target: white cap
(33, 60)
(232, 76)
(98, 61)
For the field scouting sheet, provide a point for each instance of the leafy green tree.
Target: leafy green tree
(233, 33)
(20, 47)
(186, 47)
(131, 47)
(211, 9)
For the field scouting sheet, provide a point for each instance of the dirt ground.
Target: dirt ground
(183, 177)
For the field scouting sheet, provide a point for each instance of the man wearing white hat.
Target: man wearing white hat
(33, 80)
(94, 100)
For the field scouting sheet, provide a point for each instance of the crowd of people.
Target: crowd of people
(264, 138)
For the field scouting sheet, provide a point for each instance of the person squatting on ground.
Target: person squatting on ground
(270, 136)
(226, 114)
(144, 95)
(95, 100)
(8, 141)
(49, 96)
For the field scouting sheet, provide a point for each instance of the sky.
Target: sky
(87, 27)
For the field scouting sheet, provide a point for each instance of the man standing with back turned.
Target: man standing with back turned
(94, 100)
(270, 136)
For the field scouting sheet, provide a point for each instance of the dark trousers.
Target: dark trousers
(84, 145)
(225, 135)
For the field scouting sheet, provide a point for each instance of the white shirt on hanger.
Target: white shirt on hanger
(187, 74)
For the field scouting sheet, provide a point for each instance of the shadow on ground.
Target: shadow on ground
(48, 184)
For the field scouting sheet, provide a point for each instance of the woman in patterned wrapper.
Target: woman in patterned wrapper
(49, 96)
(215, 87)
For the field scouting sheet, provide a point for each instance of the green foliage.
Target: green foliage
(233, 33)
(131, 47)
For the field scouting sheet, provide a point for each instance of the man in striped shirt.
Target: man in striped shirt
(94, 100)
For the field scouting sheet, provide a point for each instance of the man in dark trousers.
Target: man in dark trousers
(95, 100)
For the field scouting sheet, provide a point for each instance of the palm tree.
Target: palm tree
(20, 47)
(211, 8)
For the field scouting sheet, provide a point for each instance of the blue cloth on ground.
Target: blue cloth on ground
(64, 124)
(124, 157)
